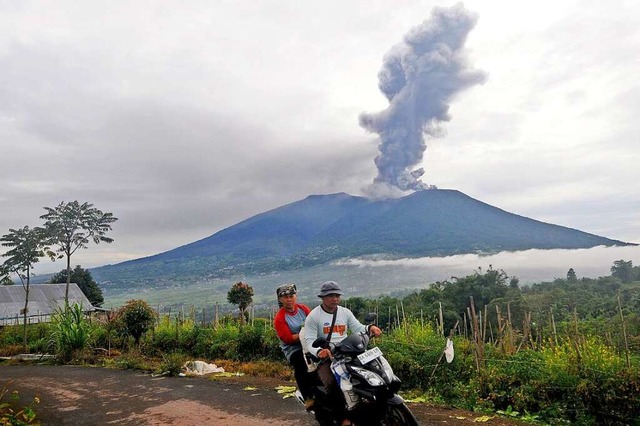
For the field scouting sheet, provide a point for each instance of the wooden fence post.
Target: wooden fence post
(476, 336)
(624, 333)
(577, 337)
(499, 340)
(484, 324)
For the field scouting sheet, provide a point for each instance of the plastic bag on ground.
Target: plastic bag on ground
(201, 368)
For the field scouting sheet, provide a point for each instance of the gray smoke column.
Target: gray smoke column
(419, 77)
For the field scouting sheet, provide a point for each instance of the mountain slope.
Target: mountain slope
(322, 228)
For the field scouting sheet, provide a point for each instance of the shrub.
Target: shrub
(135, 319)
(13, 335)
(70, 332)
(39, 345)
(251, 344)
(108, 332)
(415, 352)
(172, 363)
(224, 342)
(165, 336)
(134, 360)
(171, 334)
(202, 338)
(604, 380)
(11, 339)
(514, 381)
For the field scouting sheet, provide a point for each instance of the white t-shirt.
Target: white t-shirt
(318, 323)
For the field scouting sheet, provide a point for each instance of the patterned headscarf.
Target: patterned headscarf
(286, 289)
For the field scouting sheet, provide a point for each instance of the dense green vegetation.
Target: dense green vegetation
(555, 352)
(567, 349)
(67, 228)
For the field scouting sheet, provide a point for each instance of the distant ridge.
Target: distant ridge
(324, 228)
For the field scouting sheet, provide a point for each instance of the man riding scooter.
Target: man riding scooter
(333, 322)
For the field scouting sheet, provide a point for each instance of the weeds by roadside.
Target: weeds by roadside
(71, 333)
(11, 411)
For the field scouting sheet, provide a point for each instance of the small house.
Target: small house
(44, 300)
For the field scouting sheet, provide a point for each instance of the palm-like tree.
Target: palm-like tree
(26, 247)
(71, 226)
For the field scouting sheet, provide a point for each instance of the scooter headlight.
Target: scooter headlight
(372, 378)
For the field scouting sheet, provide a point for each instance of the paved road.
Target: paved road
(86, 396)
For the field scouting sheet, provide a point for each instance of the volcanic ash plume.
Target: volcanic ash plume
(419, 77)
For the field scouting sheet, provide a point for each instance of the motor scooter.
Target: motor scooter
(367, 382)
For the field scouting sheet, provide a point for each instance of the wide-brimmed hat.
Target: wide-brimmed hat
(329, 287)
(286, 289)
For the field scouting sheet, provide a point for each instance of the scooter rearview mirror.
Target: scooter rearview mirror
(370, 318)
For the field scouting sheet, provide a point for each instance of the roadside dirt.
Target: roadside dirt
(88, 396)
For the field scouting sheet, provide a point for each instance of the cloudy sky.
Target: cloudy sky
(183, 118)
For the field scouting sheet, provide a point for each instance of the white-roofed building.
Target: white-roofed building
(44, 300)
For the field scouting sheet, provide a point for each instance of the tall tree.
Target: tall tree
(85, 281)
(482, 287)
(571, 276)
(26, 247)
(241, 294)
(623, 270)
(71, 226)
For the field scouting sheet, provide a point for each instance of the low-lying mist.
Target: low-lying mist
(530, 266)
(374, 277)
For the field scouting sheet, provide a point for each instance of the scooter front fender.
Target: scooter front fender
(395, 400)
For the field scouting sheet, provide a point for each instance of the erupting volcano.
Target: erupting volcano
(419, 77)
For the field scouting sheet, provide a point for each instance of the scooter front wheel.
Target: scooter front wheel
(323, 419)
(398, 415)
